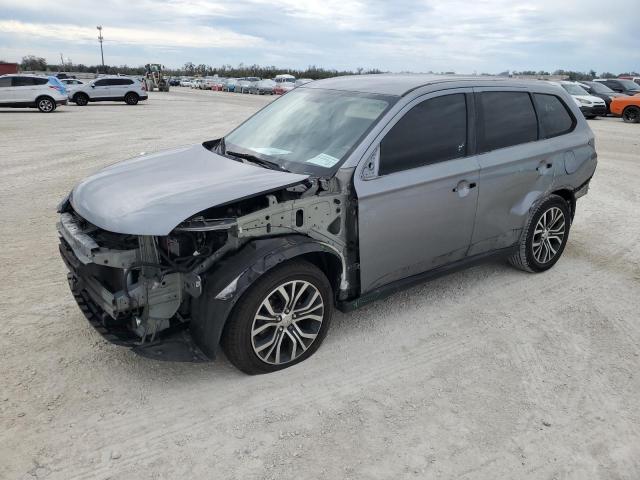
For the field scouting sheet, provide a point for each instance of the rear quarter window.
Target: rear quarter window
(555, 118)
(506, 119)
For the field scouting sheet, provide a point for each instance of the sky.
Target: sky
(393, 35)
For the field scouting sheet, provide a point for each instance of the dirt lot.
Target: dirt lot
(485, 374)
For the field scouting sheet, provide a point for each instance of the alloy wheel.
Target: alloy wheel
(287, 322)
(548, 235)
(45, 105)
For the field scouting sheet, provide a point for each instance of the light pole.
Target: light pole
(99, 27)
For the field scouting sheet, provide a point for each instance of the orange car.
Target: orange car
(626, 107)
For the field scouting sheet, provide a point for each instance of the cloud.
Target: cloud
(416, 35)
(195, 37)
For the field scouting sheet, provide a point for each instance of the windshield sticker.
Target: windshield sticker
(324, 160)
(269, 150)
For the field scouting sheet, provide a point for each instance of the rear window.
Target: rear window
(506, 119)
(555, 118)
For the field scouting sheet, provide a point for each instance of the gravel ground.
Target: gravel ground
(484, 374)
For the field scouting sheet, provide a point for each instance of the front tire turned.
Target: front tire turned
(544, 237)
(281, 320)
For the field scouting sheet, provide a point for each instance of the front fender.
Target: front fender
(229, 279)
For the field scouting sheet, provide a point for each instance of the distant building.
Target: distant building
(8, 68)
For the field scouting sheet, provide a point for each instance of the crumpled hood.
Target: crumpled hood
(152, 194)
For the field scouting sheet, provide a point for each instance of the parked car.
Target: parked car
(196, 83)
(252, 240)
(620, 85)
(174, 82)
(284, 78)
(218, 85)
(242, 86)
(32, 91)
(106, 89)
(71, 83)
(589, 105)
(262, 87)
(627, 107)
(302, 81)
(600, 90)
(185, 82)
(283, 87)
(230, 85)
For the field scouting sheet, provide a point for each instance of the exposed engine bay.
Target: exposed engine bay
(143, 285)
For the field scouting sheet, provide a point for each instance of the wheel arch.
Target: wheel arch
(225, 284)
(569, 197)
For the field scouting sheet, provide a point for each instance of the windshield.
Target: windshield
(629, 84)
(309, 130)
(600, 88)
(574, 89)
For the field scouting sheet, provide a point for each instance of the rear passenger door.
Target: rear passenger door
(417, 190)
(516, 167)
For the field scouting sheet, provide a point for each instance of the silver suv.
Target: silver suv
(338, 194)
(106, 89)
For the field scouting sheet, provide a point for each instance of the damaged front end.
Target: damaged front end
(140, 290)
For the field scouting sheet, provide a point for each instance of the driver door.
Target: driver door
(416, 209)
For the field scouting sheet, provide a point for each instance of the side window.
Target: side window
(40, 81)
(432, 131)
(506, 119)
(127, 81)
(101, 83)
(555, 119)
(22, 81)
(5, 82)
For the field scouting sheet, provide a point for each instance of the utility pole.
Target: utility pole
(61, 62)
(99, 27)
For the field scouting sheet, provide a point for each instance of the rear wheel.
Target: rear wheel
(545, 236)
(46, 104)
(281, 320)
(131, 98)
(631, 114)
(81, 99)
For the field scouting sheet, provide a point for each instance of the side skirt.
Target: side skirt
(405, 283)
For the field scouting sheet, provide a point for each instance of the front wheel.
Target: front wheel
(545, 236)
(281, 320)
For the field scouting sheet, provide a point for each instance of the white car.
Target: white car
(32, 91)
(590, 106)
(185, 82)
(106, 89)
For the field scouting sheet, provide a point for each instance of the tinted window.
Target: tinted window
(5, 82)
(431, 132)
(555, 119)
(120, 81)
(101, 83)
(507, 118)
(22, 81)
(40, 81)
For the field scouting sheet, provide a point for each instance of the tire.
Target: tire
(81, 99)
(631, 114)
(45, 104)
(272, 347)
(590, 117)
(131, 98)
(535, 254)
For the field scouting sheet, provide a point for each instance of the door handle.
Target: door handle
(463, 187)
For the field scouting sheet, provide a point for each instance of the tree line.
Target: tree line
(33, 63)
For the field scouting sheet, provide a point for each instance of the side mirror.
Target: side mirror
(93, 86)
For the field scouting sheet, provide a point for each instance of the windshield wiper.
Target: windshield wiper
(259, 161)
